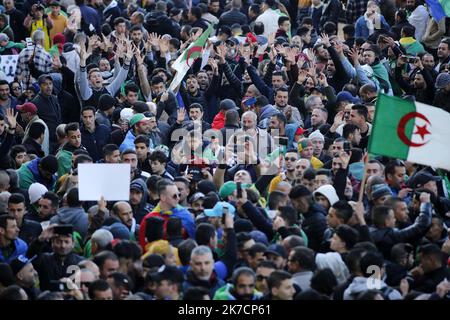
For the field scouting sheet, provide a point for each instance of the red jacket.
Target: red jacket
(219, 121)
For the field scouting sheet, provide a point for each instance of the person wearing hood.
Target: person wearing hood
(70, 109)
(326, 196)
(360, 283)
(73, 214)
(314, 223)
(264, 110)
(40, 170)
(138, 199)
(8, 47)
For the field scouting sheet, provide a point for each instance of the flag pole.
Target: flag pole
(363, 182)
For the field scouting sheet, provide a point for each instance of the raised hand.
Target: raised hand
(163, 46)
(11, 116)
(221, 52)
(302, 74)
(354, 55)
(181, 115)
(325, 40)
(137, 54)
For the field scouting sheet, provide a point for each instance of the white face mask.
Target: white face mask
(271, 214)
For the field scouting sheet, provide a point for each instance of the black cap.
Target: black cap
(421, 178)
(227, 104)
(233, 41)
(19, 263)
(171, 273)
(196, 173)
(44, 77)
(277, 249)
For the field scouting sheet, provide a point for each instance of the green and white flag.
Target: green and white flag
(411, 131)
(185, 61)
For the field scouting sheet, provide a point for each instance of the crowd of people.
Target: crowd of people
(251, 180)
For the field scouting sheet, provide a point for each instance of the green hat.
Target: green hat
(138, 117)
(227, 189)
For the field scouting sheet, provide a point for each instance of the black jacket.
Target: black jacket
(428, 282)
(33, 147)
(386, 238)
(231, 17)
(95, 141)
(49, 111)
(314, 225)
(50, 266)
(29, 230)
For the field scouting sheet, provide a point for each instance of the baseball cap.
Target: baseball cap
(227, 189)
(137, 186)
(196, 196)
(276, 249)
(228, 104)
(346, 96)
(299, 131)
(421, 178)
(171, 273)
(44, 77)
(232, 41)
(27, 107)
(138, 118)
(196, 173)
(19, 263)
(217, 211)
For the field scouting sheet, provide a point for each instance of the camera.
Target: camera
(58, 286)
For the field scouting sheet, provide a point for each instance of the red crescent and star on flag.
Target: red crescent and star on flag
(422, 131)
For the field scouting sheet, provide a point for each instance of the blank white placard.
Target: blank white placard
(112, 181)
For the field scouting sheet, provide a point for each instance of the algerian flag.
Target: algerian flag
(411, 131)
(185, 61)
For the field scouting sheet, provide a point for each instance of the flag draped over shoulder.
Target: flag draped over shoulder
(411, 131)
(439, 9)
(187, 58)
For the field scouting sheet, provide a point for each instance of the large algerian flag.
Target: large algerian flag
(411, 131)
(185, 61)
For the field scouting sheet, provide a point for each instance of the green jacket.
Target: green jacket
(64, 162)
(224, 293)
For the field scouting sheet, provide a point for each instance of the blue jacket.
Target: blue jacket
(95, 141)
(128, 142)
(20, 248)
(361, 29)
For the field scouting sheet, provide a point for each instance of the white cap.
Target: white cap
(316, 135)
(126, 114)
(36, 191)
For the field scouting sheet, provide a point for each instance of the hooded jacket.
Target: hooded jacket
(265, 114)
(140, 210)
(128, 142)
(74, 216)
(314, 225)
(213, 284)
(29, 173)
(334, 262)
(45, 144)
(329, 192)
(70, 108)
(360, 284)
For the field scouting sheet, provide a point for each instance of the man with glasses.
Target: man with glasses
(263, 271)
(288, 174)
(167, 207)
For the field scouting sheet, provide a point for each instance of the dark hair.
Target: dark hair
(431, 250)
(4, 220)
(276, 278)
(361, 110)
(348, 235)
(119, 20)
(156, 80)
(324, 172)
(196, 106)
(370, 259)
(131, 87)
(16, 198)
(152, 183)
(257, 247)
(98, 285)
(349, 29)
(302, 31)
(349, 128)
(304, 257)
(195, 293)
(204, 233)
(142, 138)
(266, 264)
(289, 214)
(174, 227)
(242, 237)
(184, 250)
(390, 167)
(101, 257)
(408, 31)
(256, 9)
(53, 197)
(128, 249)
(402, 14)
(158, 155)
(329, 28)
(83, 158)
(109, 149)
(18, 148)
(73, 126)
(324, 281)
(343, 210)
(379, 215)
(72, 198)
(307, 20)
(274, 198)
(36, 130)
(120, 279)
(88, 108)
(258, 28)
(196, 12)
(282, 19)
(6, 275)
(237, 273)
(128, 151)
(136, 27)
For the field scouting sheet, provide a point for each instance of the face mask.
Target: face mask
(271, 213)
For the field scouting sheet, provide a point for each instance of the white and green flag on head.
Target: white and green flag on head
(411, 131)
(185, 61)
